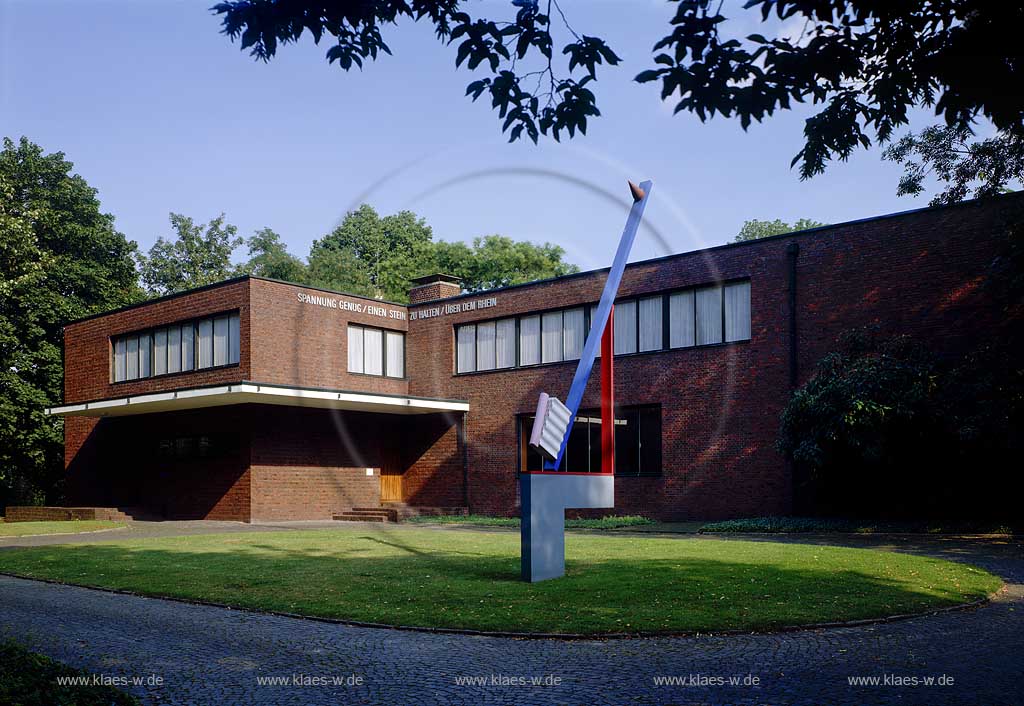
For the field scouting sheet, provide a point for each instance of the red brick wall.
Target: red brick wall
(306, 345)
(918, 273)
(87, 344)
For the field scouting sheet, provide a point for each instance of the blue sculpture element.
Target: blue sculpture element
(546, 494)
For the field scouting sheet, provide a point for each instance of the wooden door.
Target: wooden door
(390, 475)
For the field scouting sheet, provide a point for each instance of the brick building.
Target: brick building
(255, 399)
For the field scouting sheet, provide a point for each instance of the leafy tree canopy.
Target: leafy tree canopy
(966, 167)
(60, 259)
(863, 63)
(268, 257)
(754, 228)
(200, 254)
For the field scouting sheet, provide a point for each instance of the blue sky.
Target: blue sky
(162, 113)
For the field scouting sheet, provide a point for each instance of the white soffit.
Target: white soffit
(256, 393)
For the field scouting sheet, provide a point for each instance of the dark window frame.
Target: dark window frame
(151, 333)
(383, 352)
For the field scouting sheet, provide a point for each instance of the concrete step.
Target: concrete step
(402, 510)
(361, 517)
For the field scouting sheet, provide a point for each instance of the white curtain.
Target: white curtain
(737, 311)
(220, 340)
(650, 324)
(132, 356)
(709, 315)
(485, 354)
(145, 356)
(120, 359)
(466, 353)
(234, 339)
(373, 345)
(529, 340)
(505, 343)
(205, 343)
(551, 337)
(160, 352)
(573, 333)
(188, 348)
(625, 327)
(680, 320)
(592, 312)
(174, 349)
(355, 349)
(395, 347)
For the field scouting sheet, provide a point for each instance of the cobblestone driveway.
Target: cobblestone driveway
(216, 656)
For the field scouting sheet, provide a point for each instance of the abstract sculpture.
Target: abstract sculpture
(546, 494)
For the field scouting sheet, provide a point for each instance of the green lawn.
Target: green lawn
(424, 577)
(610, 522)
(29, 679)
(19, 529)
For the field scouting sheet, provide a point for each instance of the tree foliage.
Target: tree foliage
(269, 257)
(885, 427)
(200, 254)
(863, 63)
(966, 167)
(754, 228)
(60, 259)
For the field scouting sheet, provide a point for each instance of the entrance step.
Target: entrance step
(403, 511)
(365, 515)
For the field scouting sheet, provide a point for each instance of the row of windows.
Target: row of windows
(193, 345)
(637, 443)
(692, 317)
(374, 351)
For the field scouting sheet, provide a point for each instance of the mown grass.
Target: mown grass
(609, 522)
(20, 529)
(30, 679)
(826, 524)
(430, 578)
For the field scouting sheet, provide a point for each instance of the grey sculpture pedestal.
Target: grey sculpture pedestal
(545, 498)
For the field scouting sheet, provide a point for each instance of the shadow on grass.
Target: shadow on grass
(648, 586)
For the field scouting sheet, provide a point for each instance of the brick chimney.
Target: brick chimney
(436, 286)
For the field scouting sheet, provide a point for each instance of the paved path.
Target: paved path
(216, 656)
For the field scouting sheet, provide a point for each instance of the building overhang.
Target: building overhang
(258, 393)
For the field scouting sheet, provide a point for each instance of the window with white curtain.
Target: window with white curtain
(573, 333)
(465, 353)
(120, 360)
(205, 343)
(694, 317)
(551, 337)
(220, 340)
(485, 353)
(737, 311)
(394, 346)
(625, 327)
(709, 315)
(651, 324)
(355, 349)
(680, 320)
(529, 340)
(188, 347)
(505, 343)
(133, 358)
(145, 355)
(373, 351)
(160, 351)
(174, 349)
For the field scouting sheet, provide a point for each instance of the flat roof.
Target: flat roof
(247, 392)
